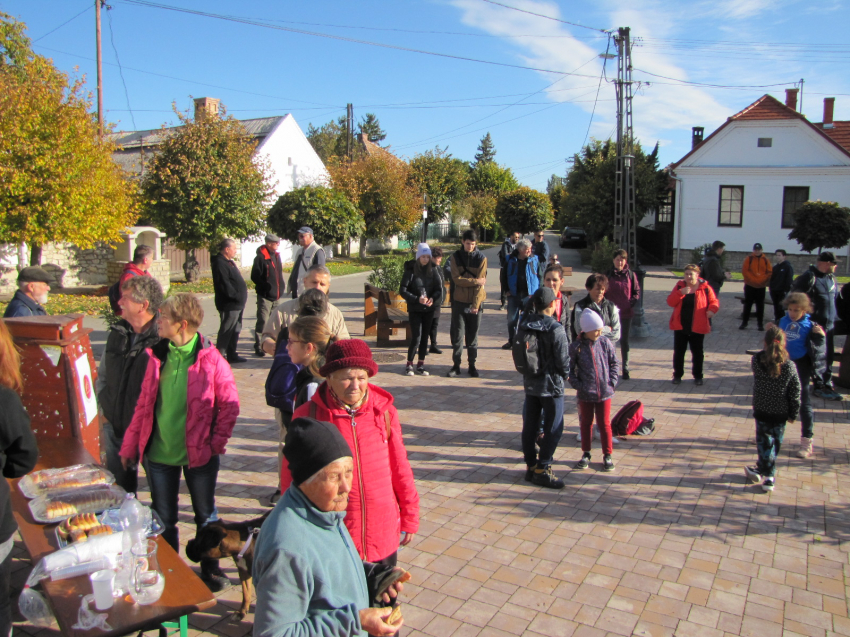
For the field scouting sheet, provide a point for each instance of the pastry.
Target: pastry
(395, 616)
(59, 509)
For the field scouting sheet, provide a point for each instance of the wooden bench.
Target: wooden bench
(383, 314)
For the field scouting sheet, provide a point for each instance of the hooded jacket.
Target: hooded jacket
(775, 400)
(414, 286)
(18, 453)
(211, 399)
(712, 270)
(383, 499)
(623, 290)
(267, 274)
(552, 346)
(704, 300)
(231, 292)
(594, 370)
(510, 274)
(756, 271)
(782, 277)
(466, 267)
(822, 290)
(122, 371)
(607, 310)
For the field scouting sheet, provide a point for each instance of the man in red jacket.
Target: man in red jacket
(139, 266)
(267, 275)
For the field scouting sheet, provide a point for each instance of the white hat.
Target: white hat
(422, 249)
(590, 321)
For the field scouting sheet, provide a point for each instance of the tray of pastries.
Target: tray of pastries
(78, 476)
(55, 507)
(79, 528)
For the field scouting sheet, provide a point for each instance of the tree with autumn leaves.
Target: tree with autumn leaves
(58, 181)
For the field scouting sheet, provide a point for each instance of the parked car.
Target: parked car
(573, 237)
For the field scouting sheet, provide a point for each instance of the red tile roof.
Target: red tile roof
(839, 133)
(767, 107)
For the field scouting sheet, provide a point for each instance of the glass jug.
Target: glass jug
(146, 580)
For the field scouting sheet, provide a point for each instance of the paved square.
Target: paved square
(671, 543)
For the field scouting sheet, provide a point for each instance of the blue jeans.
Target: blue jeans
(551, 408)
(769, 442)
(515, 305)
(164, 481)
(807, 414)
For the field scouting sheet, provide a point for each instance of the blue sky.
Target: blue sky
(537, 118)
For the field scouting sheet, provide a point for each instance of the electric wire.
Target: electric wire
(63, 24)
(120, 70)
(598, 88)
(673, 79)
(548, 17)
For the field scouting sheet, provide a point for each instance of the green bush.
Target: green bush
(603, 255)
(387, 272)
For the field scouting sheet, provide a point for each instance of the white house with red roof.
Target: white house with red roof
(743, 183)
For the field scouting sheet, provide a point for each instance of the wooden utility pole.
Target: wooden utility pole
(97, 4)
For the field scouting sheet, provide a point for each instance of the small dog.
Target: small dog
(221, 539)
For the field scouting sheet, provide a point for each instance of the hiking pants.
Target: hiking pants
(682, 340)
(464, 324)
(777, 296)
(602, 411)
(753, 295)
(551, 409)
(420, 330)
(435, 324)
(264, 309)
(807, 420)
(769, 441)
(625, 328)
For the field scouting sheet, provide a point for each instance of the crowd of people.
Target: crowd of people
(347, 500)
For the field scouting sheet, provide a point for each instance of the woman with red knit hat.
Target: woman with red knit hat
(383, 500)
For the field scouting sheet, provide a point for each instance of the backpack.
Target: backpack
(280, 383)
(629, 421)
(114, 293)
(526, 353)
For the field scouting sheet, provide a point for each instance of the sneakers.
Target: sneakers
(473, 372)
(507, 345)
(743, 326)
(408, 370)
(607, 463)
(546, 478)
(625, 375)
(213, 576)
(768, 485)
(421, 371)
(753, 475)
(828, 393)
(761, 327)
(435, 350)
(584, 463)
(529, 473)
(806, 448)
(454, 372)
(258, 352)
(698, 382)
(676, 381)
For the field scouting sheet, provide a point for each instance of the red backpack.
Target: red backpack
(630, 421)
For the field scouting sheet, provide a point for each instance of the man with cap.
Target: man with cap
(544, 391)
(756, 270)
(267, 275)
(307, 573)
(33, 286)
(819, 283)
(310, 254)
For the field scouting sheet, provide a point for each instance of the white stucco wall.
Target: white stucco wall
(295, 164)
(799, 157)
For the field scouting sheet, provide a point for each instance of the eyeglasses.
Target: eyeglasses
(290, 341)
(539, 236)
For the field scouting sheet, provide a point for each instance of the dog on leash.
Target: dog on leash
(222, 539)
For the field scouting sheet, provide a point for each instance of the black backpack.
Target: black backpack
(114, 293)
(526, 351)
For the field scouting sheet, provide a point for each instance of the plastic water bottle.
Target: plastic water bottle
(133, 516)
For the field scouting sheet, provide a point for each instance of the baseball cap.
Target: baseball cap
(34, 274)
(829, 257)
(305, 230)
(757, 246)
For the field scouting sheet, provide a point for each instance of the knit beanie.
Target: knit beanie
(590, 321)
(310, 446)
(422, 249)
(351, 352)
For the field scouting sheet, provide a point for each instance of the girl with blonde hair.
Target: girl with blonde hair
(309, 338)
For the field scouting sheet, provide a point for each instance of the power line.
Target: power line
(673, 79)
(540, 15)
(265, 25)
(120, 70)
(62, 25)
(598, 88)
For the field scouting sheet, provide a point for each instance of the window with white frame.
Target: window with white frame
(731, 208)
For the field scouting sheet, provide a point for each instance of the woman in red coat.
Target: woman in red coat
(694, 303)
(383, 501)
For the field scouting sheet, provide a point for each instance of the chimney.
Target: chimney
(206, 106)
(696, 138)
(828, 109)
(791, 98)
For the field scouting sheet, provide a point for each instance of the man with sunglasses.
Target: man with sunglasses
(541, 249)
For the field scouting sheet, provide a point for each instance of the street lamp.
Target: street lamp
(424, 224)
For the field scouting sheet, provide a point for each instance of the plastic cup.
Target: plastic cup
(102, 583)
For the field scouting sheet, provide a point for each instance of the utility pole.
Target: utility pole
(349, 130)
(97, 4)
(625, 223)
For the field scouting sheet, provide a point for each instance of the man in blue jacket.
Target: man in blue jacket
(307, 573)
(33, 287)
(521, 278)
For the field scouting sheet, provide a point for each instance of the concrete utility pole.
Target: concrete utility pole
(349, 130)
(97, 4)
(625, 223)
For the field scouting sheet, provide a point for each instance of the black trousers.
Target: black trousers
(754, 295)
(777, 296)
(228, 333)
(434, 325)
(464, 328)
(420, 330)
(681, 342)
(625, 329)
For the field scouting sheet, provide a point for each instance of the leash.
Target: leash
(240, 557)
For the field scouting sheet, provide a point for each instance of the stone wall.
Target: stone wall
(800, 262)
(69, 265)
(160, 270)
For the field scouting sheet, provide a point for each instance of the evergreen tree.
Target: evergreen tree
(372, 127)
(486, 152)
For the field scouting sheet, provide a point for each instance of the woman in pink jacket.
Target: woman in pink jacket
(383, 501)
(184, 418)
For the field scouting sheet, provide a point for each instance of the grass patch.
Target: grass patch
(72, 304)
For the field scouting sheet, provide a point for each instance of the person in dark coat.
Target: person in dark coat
(231, 295)
(122, 369)
(437, 258)
(712, 267)
(624, 292)
(18, 455)
(33, 288)
(267, 275)
(521, 276)
(819, 283)
(781, 280)
(541, 250)
(505, 251)
(422, 288)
